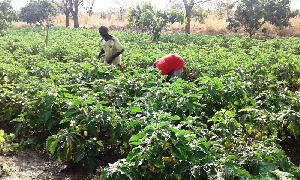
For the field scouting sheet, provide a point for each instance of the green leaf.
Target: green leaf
(190, 105)
(176, 152)
(135, 109)
(64, 120)
(10, 137)
(183, 132)
(175, 118)
(53, 146)
(174, 130)
(189, 118)
(137, 136)
(2, 140)
(200, 155)
(45, 116)
(230, 157)
(67, 95)
(100, 143)
(88, 101)
(267, 167)
(70, 112)
(78, 157)
(134, 152)
(162, 124)
(242, 172)
(136, 143)
(1, 132)
(91, 128)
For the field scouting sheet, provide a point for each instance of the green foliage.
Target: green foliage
(147, 19)
(237, 99)
(278, 12)
(7, 15)
(225, 9)
(6, 142)
(248, 14)
(4, 170)
(199, 15)
(252, 14)
(167, 151)
(37, 12)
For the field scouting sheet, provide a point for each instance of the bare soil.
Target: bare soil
(291, 147)
(28, 165)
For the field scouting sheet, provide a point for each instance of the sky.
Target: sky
(104, 5)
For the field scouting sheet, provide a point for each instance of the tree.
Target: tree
(7, 15)
(74, 9)
(188, 6)
(224, 7)
(63, 5)
(278, 12)
(39, 12)
(147, 19)
(199, 15)
(90, 7)
(252, 14)
(121, 6)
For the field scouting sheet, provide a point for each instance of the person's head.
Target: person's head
(103, 31)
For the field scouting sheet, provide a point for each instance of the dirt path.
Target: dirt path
(28, 165)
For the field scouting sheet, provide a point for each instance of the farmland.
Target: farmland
(238, 99)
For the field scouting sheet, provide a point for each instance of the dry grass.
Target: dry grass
(294, 30)
(87, 21)
(212, 25)
(20, 25)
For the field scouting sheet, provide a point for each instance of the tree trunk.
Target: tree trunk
(74, 11)
(187, 28)
(76, 22)
(188, 13)
(67, 18)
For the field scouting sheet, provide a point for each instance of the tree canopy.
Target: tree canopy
(252, 14)
(7, 15)
(37, 12)
(146, 18)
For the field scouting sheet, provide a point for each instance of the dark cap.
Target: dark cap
(103, 29)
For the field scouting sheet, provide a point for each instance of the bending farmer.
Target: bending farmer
(110, 47)
(170, 65)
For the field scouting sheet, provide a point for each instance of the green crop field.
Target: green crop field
(237, 100)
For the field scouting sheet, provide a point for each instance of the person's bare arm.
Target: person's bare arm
(100, 54)
(109, 60)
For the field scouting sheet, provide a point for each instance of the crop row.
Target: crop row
(237, 99)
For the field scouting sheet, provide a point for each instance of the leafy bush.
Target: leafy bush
(37, 12)
(147, 19)
(252, 14)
